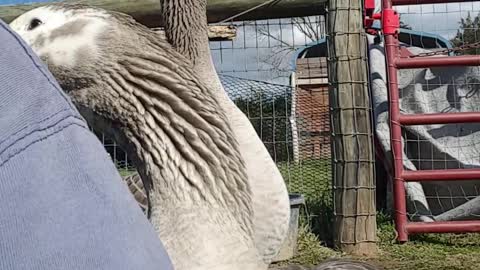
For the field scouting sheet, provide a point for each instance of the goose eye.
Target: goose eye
(34, 23)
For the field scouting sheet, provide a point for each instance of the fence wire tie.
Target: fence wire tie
(249, 10)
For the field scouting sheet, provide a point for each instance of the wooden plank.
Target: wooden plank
(353, 171)
(312, 82)
(215, 32)
(310, 73)
(148, 11)
(311, 64)
(221, 32)
(312, 61)
(309, 68)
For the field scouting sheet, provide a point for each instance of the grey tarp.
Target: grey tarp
(449, 146)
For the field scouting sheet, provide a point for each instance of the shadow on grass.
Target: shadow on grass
(465, 240)
(318, 215)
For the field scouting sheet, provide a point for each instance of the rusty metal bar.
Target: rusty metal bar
(441, 175)
(469, 226)
(425, 62)
(423, 2)
(439, 118)
(391, 53)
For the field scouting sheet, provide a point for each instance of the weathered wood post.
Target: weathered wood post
(352, 141)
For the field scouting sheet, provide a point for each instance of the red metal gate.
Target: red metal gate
(394, 62)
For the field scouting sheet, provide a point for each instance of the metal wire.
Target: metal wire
(249, 10)
(354, 188)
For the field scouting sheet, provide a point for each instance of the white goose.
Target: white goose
(129, 83)
(186, 29)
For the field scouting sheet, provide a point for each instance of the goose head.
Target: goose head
(68, 39)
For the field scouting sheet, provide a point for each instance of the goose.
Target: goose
(169, 122)
(131, 85)
(186, 28)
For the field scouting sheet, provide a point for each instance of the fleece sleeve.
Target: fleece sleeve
(62, 203)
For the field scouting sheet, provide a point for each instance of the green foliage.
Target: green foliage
(468, 32)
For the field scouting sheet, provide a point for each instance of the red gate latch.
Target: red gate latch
(390, 22)
(390, 19)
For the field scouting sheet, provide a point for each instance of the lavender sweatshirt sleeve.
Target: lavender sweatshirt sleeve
(62, 203)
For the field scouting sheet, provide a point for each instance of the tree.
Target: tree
(311, 29)
(468, 33)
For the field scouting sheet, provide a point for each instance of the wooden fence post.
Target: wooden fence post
(352, 141)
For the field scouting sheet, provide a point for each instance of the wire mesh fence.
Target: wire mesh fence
(284, 93)
(439, 28)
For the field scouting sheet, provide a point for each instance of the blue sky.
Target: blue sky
(440, 18)
(249, 55)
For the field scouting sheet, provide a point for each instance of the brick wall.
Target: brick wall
(313, 121)
(312, 109)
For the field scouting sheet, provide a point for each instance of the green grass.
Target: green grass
(428, 251)
(311, 250)
(125, 171)
(423, 252)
